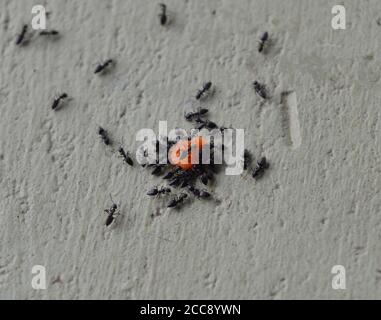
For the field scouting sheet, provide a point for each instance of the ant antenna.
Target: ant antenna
(112, 199)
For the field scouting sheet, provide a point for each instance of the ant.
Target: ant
(177, 200)
(169, 175)
(102, 66)
(163, 14)
(260, 89)
(49, 33)
(57, 100)
(206, 124)
(176, 182)
(260, 168)
(112, 214)
(125, 155)
(104, 136)
(202, 92)
(205, 177)
(199, 193)
(158, 169)
(156, 191)
(21, 36)
(189, 116)
(262, 41)
(172, 173)
(184, 184)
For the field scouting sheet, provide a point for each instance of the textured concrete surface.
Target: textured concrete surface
(278, 238)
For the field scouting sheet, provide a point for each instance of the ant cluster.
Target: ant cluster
(187, 178)
(181, 178)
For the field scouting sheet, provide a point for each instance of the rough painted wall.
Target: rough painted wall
(317, 206)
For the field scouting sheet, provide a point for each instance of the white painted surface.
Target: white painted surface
(318, 206)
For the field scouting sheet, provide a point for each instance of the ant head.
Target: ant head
(208, 85)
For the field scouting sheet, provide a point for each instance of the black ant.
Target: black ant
(156, 191)
(202, 173)
(111, 213)
(102, 66)
(260, 89)
(205, 177)
(189, 116)
(177, 200)
(183, 179)
(104, 136)
(206, 124)
(169, 175)
(204, 194)
(21, 36)
(262, 41)
(57, 100)
(163, 14)
(184, 184)
(158, 169)
(199, 193)
(260, 168)
(176, 182)
(202, 92)
(172, 173)
(125, 155)
(49, 33)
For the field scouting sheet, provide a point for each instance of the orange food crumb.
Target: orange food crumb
(182, 152)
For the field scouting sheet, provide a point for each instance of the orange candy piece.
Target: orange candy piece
(181, 153)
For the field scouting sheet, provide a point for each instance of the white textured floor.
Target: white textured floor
(318, 206)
